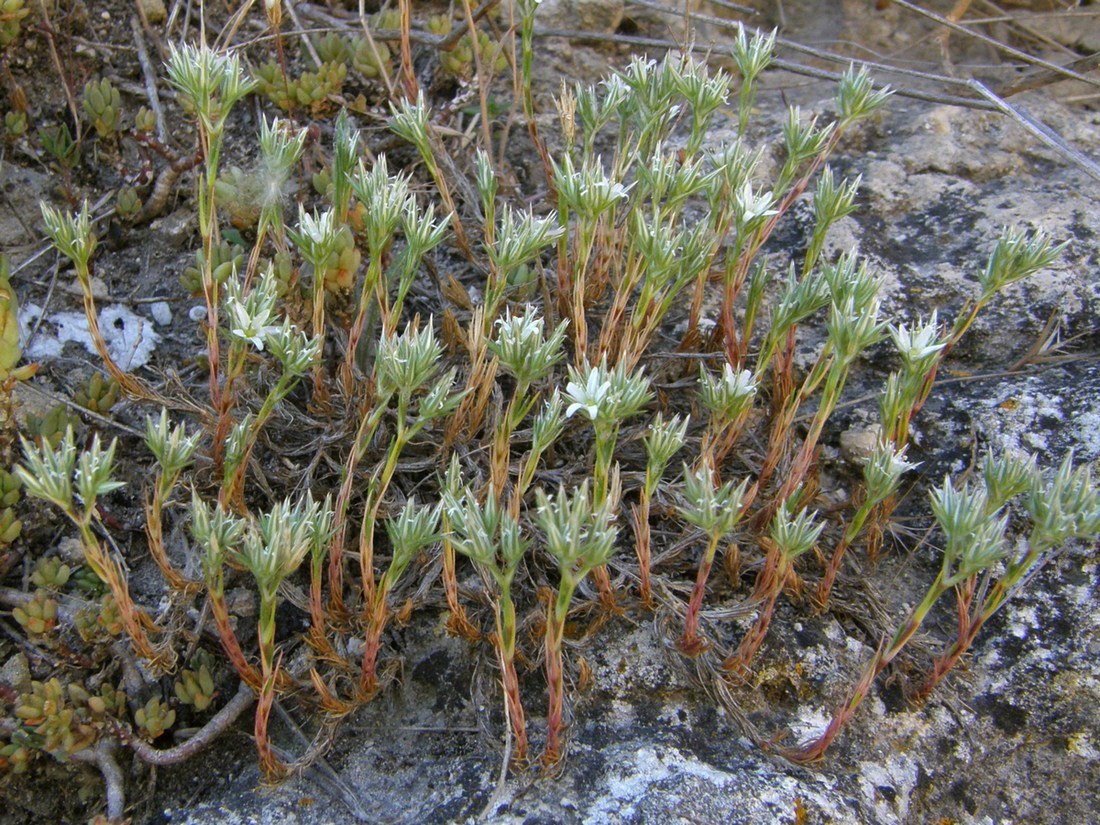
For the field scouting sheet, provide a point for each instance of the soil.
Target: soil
(1010, 737)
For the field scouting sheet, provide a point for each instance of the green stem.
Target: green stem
(801, 465)
(605, 451)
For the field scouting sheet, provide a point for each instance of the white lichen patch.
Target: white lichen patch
(810, 722)
(636, 662)
(1019, 421)
(1081, 744)
(1022, 620)
(632, 782)
(130, 339)
(1088, 425)
(656, 781)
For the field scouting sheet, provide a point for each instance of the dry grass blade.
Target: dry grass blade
(1064, 71)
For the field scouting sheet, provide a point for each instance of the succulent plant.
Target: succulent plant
(332, 48)
(459, 61)
(15, 124)
(87, 581)
(10, 488)
(10, 527)
(102, 106)
(57, 726)
(10, 348)
(389, 18)
(39, 616)
(99, 394)
(109, 620)
(145, 121)
(51, 573)
(342, 266)
(195, 686)
(314, 88)
(109, 701)
(310, 91)
(225, 258)
(237, 196)
(286, 276)
(50, 428)
(127, 203)
(154, 718)
(12, 13)
(439, 24)
(371, 63)
(17, 754)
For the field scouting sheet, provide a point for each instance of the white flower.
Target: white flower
(317, 228)
(517, 330)
(251, 317)
(920, 343)
(246, 327)
(589, 396)
(729, 396)
(892, 463)
(604, 190)
(739, 384)
(751, 206)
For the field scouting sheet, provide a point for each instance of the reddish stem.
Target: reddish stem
(640, 520)
(826, 585)
(690, 643)
(516, 716)
(229, 641)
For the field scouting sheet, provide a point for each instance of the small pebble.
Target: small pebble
(16, 673)
(161, 312)
(153, 10)
(856, 445)
(241, 602)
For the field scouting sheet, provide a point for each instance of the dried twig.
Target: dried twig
(1038, 78)
(1038, 129)
(997, 44)
(215, 727)
(51, 42)
(103, 757)
(150, 77)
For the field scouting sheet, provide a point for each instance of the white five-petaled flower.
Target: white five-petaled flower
(519, 328)
(251, 317)
(603, 189)
(316, 228)
(751, 206)
(251, 328)
(590, 395)
(739, 384)
(919, 343)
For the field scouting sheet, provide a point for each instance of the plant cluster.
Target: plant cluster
(438, 431)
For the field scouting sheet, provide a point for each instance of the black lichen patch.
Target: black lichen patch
(1006, 716)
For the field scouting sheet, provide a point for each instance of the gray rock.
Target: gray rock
(596, 16)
